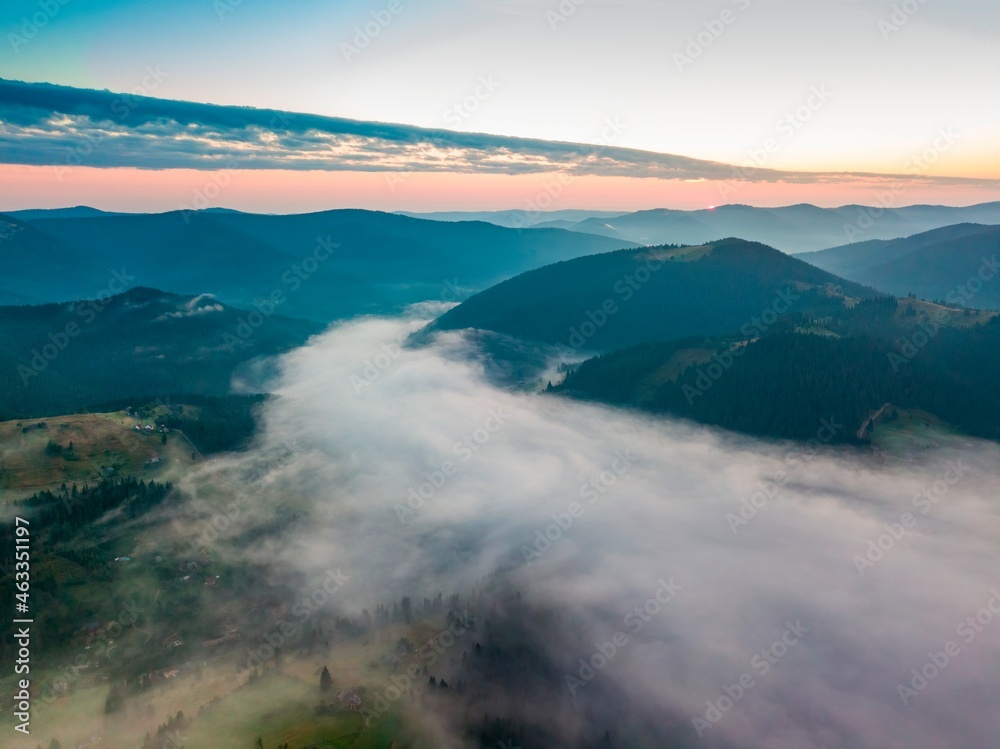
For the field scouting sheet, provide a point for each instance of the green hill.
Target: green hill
(785, 384)
(956, 264)
(36, 267)
(60, 358)
(620, 299)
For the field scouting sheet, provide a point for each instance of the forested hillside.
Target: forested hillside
(329, 265)
(955, 264)
(784, 384)
(619, 299)
(60, 358)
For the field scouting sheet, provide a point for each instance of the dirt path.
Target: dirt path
(870, 420)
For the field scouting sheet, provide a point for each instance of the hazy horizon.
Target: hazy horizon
(307, 443)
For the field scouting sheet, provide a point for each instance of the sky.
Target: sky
(810, 86)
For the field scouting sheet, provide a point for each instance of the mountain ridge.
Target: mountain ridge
(955, 263)
(648, 294)
(334, 264)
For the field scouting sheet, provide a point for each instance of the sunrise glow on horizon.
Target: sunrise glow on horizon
(372, 63)
(279, 191)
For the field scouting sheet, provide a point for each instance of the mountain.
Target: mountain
(58, 358)
(623, 298)
(79, 211)
(36, 266)
(939, 264)
(517, 219)
(741, 336)
(794, 229)
(790, 383)
(327, 265)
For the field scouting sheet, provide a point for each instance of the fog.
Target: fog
(419, 475)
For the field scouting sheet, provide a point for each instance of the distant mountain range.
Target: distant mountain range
(517, 219)
(327, 265)
(814, 332)
(956, 264)
(793, 229)
(79, 211)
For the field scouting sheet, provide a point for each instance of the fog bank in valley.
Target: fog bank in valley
(770, 595)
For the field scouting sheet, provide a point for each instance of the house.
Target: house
(354, 702)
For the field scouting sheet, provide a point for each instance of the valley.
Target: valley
(499, 375)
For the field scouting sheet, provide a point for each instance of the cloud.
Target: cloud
(497, 472)
(44, 124)
(194, 308)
